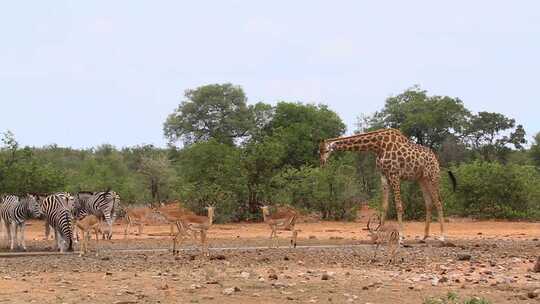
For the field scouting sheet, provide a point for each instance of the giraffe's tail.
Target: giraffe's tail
(453, 179)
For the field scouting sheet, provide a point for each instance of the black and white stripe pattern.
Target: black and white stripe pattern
(100, 204)
(14, 212)
(55, 209)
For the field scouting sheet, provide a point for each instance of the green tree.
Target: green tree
(535, 150)
(210, 174)
(260, 162)
(158, 174)
(484, 134)
(216, 111)
(429, 120)
(300, 127)
(22, 172)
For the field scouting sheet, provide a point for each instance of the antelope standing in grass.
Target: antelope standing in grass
(283, 219)
(88, 224)
(190, 225)
(387, 233)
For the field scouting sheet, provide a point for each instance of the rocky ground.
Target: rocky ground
(482, 259)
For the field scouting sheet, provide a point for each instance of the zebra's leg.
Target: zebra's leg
(12, 235)
(47, 231)
(23, 243)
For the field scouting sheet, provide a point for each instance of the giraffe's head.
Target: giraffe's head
(324, 151)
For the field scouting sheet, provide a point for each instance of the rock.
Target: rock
(105, 258)
(325, 277)
(244, 275)
(218, 257)
(228, 291)
(463, 257)
(280, 285)
(536, 267)
(532, 295)
(195, 286)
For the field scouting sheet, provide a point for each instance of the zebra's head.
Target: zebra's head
(34, 208)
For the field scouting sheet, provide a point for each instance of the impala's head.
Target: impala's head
(265, 210)
(324, 151)
(377, 219)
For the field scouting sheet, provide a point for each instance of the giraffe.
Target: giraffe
(398, 159)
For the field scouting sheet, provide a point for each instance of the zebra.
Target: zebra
(14, 212)
(68, 203)
(57, 214)
(101, 204)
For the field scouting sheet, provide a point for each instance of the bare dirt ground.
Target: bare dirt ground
(498, 268)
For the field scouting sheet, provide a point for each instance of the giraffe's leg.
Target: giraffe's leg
(385, 194)
(429, 204)
(436, 198)
(395, 182)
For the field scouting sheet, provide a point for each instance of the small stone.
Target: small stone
(463, 257)
(228, 291)
(218, 257)
(312, 237)
(195, 286)
(533, 294)
(325, 277)
(108, 273)
(536, 267)
(273, 276)
(244, 275)
(105, 258)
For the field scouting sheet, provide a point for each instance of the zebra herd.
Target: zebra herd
(59, 211)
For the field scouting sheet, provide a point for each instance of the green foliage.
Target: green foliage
(300, 127)
(493, 190)
(210, 174)
(216, 111)
(429, 120)
(22, 172)
(239, 157)
(535, 150)
(331, 190)
(484, 134)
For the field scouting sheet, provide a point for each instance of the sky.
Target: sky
(85, 73)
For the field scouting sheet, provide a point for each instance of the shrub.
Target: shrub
(493, 190)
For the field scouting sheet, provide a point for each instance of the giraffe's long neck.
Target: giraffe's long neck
(372, 142)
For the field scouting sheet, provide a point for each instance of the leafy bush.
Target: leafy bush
(493, 190)
(332, 190)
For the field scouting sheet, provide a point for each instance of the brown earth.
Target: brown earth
(501, 256)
